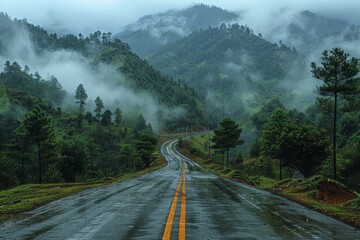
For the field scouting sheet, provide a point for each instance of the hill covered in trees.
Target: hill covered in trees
(40, 142)
(230, 66)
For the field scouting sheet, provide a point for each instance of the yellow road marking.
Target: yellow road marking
(183, 208)
(170, 219)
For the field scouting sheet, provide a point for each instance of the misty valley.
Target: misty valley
(181, 100)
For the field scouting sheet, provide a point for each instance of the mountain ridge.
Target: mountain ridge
(151, 32)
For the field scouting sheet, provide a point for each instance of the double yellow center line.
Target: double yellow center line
(170, 219)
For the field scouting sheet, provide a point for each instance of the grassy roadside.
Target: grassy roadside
(318, 193)
(15, 202)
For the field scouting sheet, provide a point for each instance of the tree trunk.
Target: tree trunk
(40, 163)
(91, 163)
(227, 156)
(209, 145)
(281, 175)
(22, 170)
(334, 136)
(222, 156)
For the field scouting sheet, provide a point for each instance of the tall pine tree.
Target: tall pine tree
(338, 73)
(37, 128)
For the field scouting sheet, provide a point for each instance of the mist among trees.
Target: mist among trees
(276, 126)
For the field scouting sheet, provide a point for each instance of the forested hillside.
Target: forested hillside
(229, 65)
(42, 143)
(126, 69)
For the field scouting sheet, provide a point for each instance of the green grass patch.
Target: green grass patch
(16, 201)
(263, 182)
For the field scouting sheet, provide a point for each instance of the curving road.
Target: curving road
(180, 201)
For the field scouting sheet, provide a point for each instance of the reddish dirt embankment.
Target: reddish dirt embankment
(333, 194)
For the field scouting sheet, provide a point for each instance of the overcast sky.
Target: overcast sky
(111, 15)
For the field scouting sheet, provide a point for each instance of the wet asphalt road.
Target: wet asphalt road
(212, 208)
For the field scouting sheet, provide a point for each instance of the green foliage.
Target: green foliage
(306, 185)
(306, 148)
(272, 131)
(295, 144)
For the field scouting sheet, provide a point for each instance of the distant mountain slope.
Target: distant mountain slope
(229, 65)
(151, 32)
(306, 30)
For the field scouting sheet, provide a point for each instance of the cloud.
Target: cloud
(87, 16)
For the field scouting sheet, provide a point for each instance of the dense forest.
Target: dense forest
(42, 143)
